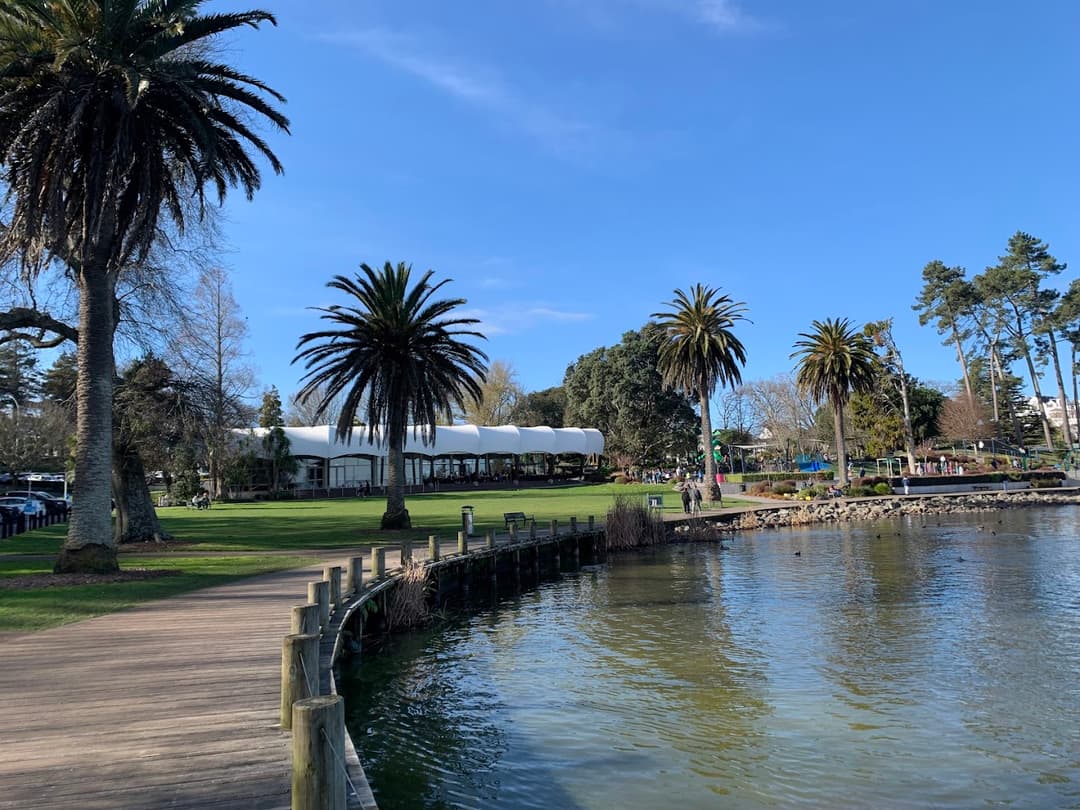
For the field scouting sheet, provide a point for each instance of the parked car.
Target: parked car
(53, 505)
(28, 506)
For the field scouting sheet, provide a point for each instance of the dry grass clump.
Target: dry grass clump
(406, 604)
(630, 524)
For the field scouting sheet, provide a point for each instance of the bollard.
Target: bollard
(489, 539)
(406, 551)
(573, 525)
(299, 673)
(305, 620)
(433, 548)
(332, 574)
(318, 762)
(378, 563)
(354, 578)
(592, 523)
(462, 543)
(319, 593)
(554, 527)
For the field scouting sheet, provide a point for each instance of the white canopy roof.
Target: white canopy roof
(450, 440)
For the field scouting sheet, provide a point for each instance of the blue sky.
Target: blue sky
(570, 163)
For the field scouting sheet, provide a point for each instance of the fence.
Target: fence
(11, 525)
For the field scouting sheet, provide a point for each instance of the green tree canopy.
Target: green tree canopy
(114, 120)
(619, 391)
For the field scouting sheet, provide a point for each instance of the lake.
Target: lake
(909, 663)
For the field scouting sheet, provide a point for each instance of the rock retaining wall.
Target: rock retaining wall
(889, 507)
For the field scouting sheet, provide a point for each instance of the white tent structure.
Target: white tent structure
(458, 453)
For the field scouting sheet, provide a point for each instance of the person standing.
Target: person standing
(907, 485)
(684, 490)
(695, 501)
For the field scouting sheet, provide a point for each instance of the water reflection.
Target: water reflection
(902, 663)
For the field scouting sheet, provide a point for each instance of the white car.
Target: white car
(28, 506)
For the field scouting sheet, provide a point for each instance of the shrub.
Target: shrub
(784, 488)
(882, 488)
(861, 492)
(761, 488)
(620, 479)
(631, 525)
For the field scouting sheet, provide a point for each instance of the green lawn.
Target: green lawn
(287, 528)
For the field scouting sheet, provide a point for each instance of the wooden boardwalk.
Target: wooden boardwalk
(170, 704)
(173, 703)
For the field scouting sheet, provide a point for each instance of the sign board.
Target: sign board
(655, 501)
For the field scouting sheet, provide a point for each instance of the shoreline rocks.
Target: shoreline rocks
(870, 509)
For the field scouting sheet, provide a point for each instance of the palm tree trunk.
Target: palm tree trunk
(841, 444)
(396, 515)
(706, 442)
(90, 545)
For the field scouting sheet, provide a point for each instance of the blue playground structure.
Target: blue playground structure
(811, 462)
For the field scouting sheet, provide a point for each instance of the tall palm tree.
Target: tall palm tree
(834, 361)
(699, 351)
(396, 356)
(114, 119)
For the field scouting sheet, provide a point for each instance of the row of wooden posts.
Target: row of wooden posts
(317, 721)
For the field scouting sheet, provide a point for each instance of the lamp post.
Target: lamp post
(15, 402)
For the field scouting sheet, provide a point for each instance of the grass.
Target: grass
(23, 611)
(275, 535)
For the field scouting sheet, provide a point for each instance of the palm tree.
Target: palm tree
(395, 356)
(699, 351)
(834, 361)
(114, 119)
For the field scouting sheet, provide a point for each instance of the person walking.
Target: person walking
(684, 490)
(695, 501)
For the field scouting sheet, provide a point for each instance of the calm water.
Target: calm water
(889, 665)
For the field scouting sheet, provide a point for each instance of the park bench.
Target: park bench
(517, 518)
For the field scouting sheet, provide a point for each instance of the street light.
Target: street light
(15, 402)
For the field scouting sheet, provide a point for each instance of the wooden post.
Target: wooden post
(319, 593)
(406, 551)
(513, 532)
(378, 563)
(318, 746)
(573, 525)
(433, 548)
(532, 529)
(489, 539)
(332, 574)
(299, 673)
(462, 543)
(554, 527)
(305, 620)
(592, 523)
(354, 578)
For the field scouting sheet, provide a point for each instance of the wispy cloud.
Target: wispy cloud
(513, 317)
(726, 16)
(481, 88)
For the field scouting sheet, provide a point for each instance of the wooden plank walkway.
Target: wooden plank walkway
(170, 704)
